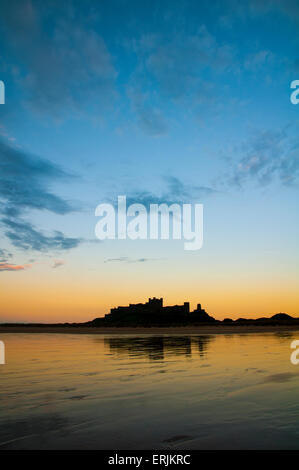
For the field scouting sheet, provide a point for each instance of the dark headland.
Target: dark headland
(153, 317)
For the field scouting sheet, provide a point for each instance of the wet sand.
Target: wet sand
(198, 330)
(163, 392)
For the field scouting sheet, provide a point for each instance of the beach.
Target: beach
(180, 330)
(162, 392)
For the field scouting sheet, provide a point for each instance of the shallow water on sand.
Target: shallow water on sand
(62, 391)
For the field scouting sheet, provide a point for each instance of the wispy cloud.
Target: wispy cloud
(258, 59)
(125, 259)
(65, 62)
(237, 10)
(24, 182)
(267, 155)
(149, 117)
(13, 267)
(4, 255)
(6, 262)
(23, 235)
(174, 191)
(288, 7)
(172, 71)
(178, 65)
(58, 263)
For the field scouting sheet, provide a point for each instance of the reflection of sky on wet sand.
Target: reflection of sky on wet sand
(163, 392)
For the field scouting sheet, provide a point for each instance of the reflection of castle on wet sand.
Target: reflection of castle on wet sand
(156, 347)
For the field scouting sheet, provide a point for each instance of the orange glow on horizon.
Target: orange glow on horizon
(69, 300)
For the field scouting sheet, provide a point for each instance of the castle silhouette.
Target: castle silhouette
(154, 312)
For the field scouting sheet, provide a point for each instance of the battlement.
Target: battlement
(154, 302)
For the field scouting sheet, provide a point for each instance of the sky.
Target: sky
(161, 101)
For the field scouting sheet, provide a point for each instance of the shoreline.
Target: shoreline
(180, 330)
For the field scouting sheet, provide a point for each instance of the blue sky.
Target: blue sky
(188, 101)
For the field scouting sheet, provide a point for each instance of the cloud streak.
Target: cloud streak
(24, 181)
(174, 191)
(23, 235)
(24, 185)
(125, 259)
(13, 267)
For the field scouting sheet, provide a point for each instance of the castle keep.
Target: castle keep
(154, 311)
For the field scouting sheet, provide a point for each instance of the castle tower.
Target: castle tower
(156, 303)
(186, 307)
